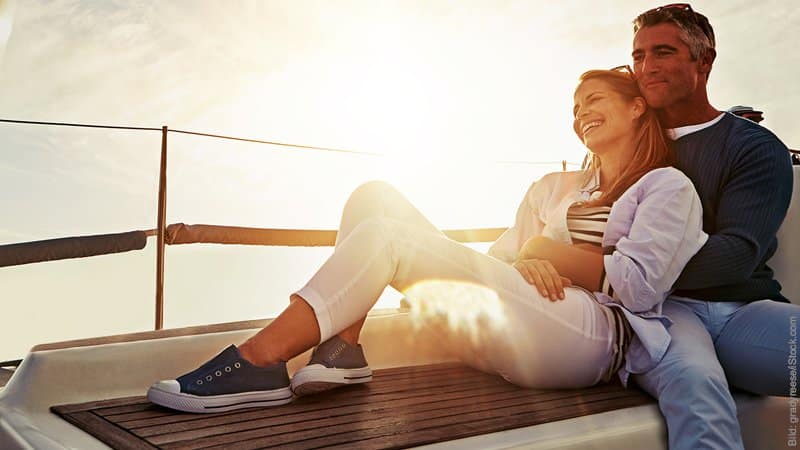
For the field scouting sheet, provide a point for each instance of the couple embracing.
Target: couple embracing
(648, 265)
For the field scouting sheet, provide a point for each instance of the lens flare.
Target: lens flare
(467, 310)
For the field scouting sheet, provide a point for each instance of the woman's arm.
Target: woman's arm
(656, 227)
(581, 264)
(527, 223)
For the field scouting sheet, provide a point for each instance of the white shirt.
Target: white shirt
(653, 230)
(677, 133)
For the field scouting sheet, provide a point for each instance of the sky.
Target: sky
(465, 102)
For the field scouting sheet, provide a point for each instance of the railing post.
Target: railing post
(162, 231)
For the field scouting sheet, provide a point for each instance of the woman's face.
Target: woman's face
(604, 119)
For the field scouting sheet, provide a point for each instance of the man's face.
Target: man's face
(664, 68)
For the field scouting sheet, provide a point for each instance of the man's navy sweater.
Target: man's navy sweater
(743, 175)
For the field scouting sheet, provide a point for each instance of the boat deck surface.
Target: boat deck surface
(5, 375)
(401, 407)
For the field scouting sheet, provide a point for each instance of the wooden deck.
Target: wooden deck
(5, 375)
(401, 407)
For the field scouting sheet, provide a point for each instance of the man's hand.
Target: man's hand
(542, 274)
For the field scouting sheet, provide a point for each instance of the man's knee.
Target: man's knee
(684, 384)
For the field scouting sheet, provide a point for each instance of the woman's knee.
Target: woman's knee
(375, 226)
(371, 192)
(366, 201)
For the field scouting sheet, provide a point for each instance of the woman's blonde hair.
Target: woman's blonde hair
(651, 149)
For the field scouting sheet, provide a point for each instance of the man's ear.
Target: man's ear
(707, 60)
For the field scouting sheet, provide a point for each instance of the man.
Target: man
(730, 321)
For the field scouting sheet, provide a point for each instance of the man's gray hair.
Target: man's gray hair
(695, 30)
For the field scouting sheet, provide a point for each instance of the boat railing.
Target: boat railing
(180, 233)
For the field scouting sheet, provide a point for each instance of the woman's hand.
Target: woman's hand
(542, 274)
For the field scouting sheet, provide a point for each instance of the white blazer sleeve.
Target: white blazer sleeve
(663, 217)
(526, 225)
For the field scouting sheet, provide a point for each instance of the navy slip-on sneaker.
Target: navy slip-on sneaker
(225, 383)
(333, 363)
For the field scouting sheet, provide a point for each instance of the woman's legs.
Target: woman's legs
(376, 199)
(294, 331)
(294, 327)
(494, 320)
(379, 199)
(491, 317)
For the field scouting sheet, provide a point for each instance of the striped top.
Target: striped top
(586, 226)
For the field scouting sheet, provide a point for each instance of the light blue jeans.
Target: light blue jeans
(716, 345)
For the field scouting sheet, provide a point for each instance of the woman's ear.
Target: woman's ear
(639, 106)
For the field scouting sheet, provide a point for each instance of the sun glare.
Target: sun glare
(444, 108)
(469, 321)
(465, 309)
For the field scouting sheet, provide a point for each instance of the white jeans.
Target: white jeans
(492, 318)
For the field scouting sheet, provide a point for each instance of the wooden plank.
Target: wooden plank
(135, 402)
(364, 419)
(349, 396)
(401, 428)
(107, 432)
(401, 407)
(334, 415)
(385, 381)
(355, 424)
(423, 436)
(5, 375)
(310, 409)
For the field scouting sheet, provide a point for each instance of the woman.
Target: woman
(560, 272)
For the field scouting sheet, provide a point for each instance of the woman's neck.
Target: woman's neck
(608, 173)
(612, 164)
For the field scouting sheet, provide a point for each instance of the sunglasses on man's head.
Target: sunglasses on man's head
(681, 6)
(685, 10)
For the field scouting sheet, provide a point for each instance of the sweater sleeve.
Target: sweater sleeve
(753, 203)
(527, 224)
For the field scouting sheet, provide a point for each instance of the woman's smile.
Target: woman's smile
(589, 126)
(597, 106)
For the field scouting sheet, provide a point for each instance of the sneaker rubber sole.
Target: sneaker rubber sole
(318, 378)
(219, 403)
